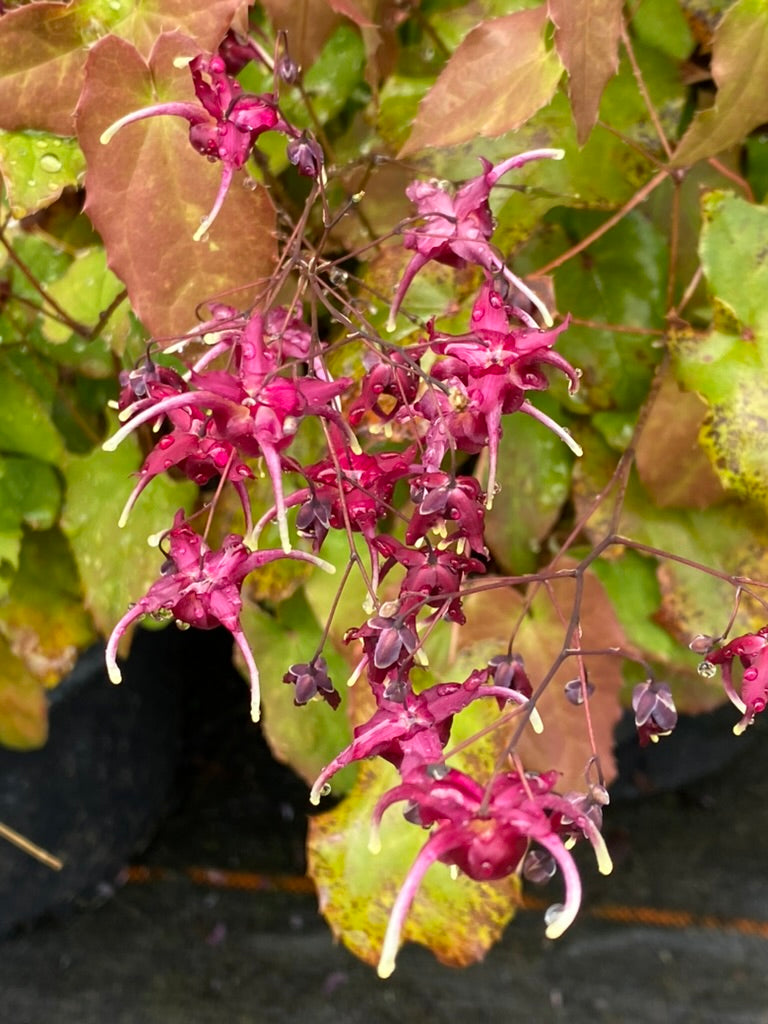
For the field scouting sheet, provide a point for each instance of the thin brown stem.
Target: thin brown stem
(640, 196)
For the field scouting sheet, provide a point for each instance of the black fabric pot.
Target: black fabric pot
(95, 792)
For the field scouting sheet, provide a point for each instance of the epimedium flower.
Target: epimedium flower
(201, 588)
(223, 125)
(488, 372)
(455, 228)
(411, 733)
(485, 831)
(442, 500)
(310, 680)
(253, 409)
(433, 575)
(752, 651)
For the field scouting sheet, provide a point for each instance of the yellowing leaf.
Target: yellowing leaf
(23, 708)
(458, 919)
(43, 618)
(36, 168)
(498, 77)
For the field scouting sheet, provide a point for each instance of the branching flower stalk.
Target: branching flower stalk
(410, 424)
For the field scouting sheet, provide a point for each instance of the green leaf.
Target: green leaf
(36, 168)
(308, 737)
(623, 283)
(148, 192)
(495, 81)
(116, 566)
(43, 618)
(662, 24)
(25, 424)
(739, 68)
(30, 495)
(337, 73)
(534, 469)
(84, 291)
(587, 39)
(458, 919)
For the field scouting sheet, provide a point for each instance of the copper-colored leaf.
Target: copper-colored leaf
(43, 48)
(41, 56)
(739, 68)
(587, 39)
(670, 462)
(564, 743)
(148, 191)
(497, 78)
(307, 23)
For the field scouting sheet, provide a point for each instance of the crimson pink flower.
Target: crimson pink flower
(485, 832)
(455, 229)
(412, 733)
(201, 588)
(224, 125)
(253, 411)
(752, 651)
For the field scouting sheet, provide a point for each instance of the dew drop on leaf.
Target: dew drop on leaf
(50, 163)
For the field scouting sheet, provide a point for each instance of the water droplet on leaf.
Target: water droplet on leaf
(50, 163)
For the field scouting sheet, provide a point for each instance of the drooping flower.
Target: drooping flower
(201, 588)
(253, 410)
(311, 680)
(455, 229)
(485, 832)
(655, 712)
(224, 125)
(486, 374)
(752, 651)
(411, 733)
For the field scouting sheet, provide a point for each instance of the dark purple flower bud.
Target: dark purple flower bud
(312, 680)
(702, 644)
(313, 521)
(287, 69)
(306, 156)
(574, 691)
(655, 712)
(395, 638)
(508, 672)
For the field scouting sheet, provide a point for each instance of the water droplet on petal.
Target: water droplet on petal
(165, 442)
(477, 314)
(495, 300)
(553, 913)
(50, 163)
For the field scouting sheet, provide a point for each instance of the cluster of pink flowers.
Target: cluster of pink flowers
(262, 373)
